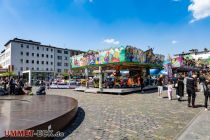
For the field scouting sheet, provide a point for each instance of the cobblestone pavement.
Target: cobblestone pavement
(128, 117)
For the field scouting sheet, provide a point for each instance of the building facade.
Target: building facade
(26, 55)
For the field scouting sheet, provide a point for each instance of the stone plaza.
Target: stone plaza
(126, 117)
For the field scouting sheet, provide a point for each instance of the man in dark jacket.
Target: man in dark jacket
(12, 86)
(180, 88)
(191, 87)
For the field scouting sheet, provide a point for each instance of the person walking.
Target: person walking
(191, 88)
(202, 81)
(160, 86)
(180, 89)
(206, 88)
(141, 84)
(12, 86)
(170, 89)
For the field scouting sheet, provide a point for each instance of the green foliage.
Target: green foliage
(5, 74)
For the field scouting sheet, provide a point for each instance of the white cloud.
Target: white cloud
(174, 42)
(200, 9)
(111, 41)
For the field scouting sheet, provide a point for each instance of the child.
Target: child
(170, 87)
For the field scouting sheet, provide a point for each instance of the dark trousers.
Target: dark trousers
(207, 97)
(12, 90)
(191, 95)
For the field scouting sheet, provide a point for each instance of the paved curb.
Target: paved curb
(185, 128)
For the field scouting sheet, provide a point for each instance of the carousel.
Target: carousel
(114, 70)
(183, 64)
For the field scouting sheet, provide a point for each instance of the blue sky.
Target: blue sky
(168, 26)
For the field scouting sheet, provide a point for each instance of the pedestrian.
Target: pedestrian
(185, 83)
(160, 86)
(202, 81)
(12, 86)
(141, 84)
(5, 83)
(191, 88)
(21, 83)
(180, 89)
(206, 88)
(170, 89)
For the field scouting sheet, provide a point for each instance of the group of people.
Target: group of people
(17, 86)
(187, 83)
(12, 86)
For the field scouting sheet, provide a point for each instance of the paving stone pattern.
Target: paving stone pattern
(134, 116)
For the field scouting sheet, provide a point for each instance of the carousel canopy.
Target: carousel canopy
(123, 55)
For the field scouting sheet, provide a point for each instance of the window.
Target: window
(21, 53)
(21, 68)
(32, 54)
(27, 46)
(21, 45)
(51, 69)
(42, 62)
(66, 64)
(37, 68)
(46, 69)
(47, 62)
(32, 61)
(32, 68)
(21, 60)
(47, 55)
(37, 48)
(58, 70)
(59, 57)
(59, 51)
(37, 62)
(27, 61)
(47, 49)
(51, 50)
(65, 52)
(42, 55)
(66, 70)
(51, 56)
(37, 55)
(51, 63)
(66, 58)
(27, 68)
(59, 64)
(27, 53)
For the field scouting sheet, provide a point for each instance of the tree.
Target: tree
(205, 49)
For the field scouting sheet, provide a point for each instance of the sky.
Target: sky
(168, 26)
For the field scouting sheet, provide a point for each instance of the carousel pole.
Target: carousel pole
(100, 79)
(87, 79)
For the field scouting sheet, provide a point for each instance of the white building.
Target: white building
(195, 54)
(26, 55)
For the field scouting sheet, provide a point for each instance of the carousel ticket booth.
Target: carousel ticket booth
(115, 70)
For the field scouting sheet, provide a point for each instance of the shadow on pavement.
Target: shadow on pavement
(74, 124)
(197, 106)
